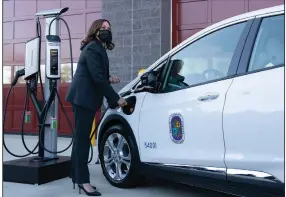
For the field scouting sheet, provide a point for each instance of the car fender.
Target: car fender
(115, 119)
(129, 122)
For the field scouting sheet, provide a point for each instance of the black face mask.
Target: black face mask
(105, 36)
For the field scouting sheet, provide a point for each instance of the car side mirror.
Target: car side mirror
(149, 79)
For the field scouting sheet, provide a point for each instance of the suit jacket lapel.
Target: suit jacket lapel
(105, 58)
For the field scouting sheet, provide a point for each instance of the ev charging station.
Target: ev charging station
(47, 166)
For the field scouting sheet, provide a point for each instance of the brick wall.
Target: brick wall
(136, 28)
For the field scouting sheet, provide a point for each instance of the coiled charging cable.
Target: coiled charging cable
(55, 93)
(19, 74)
(30, 152)
(22, 125)
(4, 117)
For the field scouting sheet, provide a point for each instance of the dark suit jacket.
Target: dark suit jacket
(91, 80)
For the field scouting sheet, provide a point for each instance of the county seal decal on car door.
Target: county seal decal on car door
(176, 128)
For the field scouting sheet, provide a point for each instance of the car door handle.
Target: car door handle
(208, 97)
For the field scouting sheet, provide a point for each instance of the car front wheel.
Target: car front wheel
(119, 157)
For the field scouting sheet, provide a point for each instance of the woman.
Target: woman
(90, 84)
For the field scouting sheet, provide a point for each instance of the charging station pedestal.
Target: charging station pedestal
(45, 167)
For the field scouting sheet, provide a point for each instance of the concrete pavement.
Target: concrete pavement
(64, 188)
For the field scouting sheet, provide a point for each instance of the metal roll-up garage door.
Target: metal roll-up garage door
(190, 16)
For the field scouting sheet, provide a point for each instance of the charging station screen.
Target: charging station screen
(54, 61)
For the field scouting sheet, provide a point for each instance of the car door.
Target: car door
(182, 123)
(253, 117)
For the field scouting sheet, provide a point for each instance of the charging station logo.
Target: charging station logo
(176, 128)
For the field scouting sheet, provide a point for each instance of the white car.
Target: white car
(209, 113)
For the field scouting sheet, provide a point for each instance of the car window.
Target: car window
(268, 50)
(204, 60)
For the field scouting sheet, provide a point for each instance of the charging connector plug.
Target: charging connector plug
(18, 74)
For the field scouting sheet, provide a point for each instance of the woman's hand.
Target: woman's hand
(114, 79)
(122, 102)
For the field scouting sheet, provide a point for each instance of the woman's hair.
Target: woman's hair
(91, 34)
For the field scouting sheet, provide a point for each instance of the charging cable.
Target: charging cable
(19, 73)
(53, 95)
(69, 33)
(94, 131)
(22, 125)
(39, 34)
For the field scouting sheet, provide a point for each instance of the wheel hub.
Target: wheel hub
(117, 156)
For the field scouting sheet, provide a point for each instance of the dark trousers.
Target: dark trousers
(83, 119)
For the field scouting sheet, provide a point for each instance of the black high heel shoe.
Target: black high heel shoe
(92, 186)
(95, 193)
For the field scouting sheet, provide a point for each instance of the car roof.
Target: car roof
(255, 13)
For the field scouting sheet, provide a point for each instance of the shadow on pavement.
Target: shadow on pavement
(172, 186)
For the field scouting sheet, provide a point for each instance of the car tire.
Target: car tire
(132, 178)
